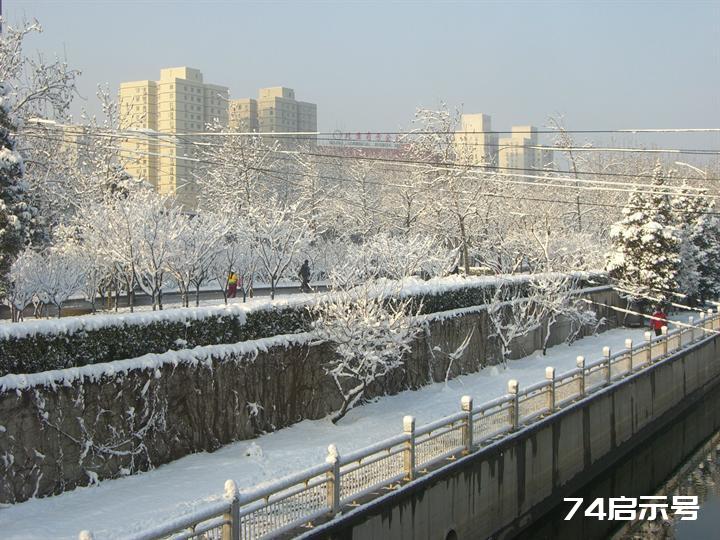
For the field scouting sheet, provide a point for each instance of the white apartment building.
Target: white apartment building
(275, 110)
(516, 153)
(179, 103)
(476, 143)
(244, 115)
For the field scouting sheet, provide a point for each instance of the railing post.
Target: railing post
(514, 404)
(701, 323)
(409, 454)
(648, 340)
(85, 535)
(333, 477)
(606, 359)
(716, 318)
(466, 402)
(710, 319)
(629, 347)
(580, 362)
(665, 339)
(550, 376)
(231, 530)
(691, 323)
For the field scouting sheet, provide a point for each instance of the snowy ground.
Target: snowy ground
(116, 508)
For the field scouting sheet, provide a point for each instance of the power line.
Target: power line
(301, 135)
(173, 145)
(492, 195)
(665, 189)
(431, 132)
(505, 178)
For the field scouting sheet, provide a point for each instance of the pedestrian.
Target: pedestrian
(232, 285)
(659, 320)
(304, 274)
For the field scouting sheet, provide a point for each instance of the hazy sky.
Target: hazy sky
(368, 65)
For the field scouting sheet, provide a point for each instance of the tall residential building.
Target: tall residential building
(275, 110)
(244, 115)
(179, 103)
(517, 152)
(476, 143)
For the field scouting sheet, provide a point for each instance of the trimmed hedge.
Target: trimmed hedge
(46, 351)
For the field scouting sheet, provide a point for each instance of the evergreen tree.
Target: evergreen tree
(16, 214)
(687, 209)
(700, 250)
(705, 235)
(646, 244)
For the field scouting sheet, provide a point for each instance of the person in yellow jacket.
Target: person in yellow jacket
(232, 285)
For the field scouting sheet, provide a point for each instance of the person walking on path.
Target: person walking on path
(304, 274)
(659, 320)
(232, 285)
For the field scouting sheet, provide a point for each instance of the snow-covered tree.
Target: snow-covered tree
(511, 315)
(159, 223)
(36, 87)
(279, 234)
(360, 211)
(448, 170)
(62, 275)
(24, 282)
(555, 297)
(695, 220)
(369, 336)
(194, 251)
(30, 87)
(705, 236)
(394, 257)
(16, 214)
(646, 244)
(234, 174)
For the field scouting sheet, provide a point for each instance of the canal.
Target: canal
(683, 459)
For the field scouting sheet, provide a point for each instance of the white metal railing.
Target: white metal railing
(322, 491)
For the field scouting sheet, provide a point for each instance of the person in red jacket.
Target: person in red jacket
(659, 320)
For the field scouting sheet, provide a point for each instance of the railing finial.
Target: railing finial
(231, 489)
(333, 454)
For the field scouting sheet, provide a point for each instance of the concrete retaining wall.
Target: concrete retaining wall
(57, 437)
(507, 486)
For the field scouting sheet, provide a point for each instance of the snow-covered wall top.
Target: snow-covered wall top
(409, 287)
(197, 356)
(70, 325)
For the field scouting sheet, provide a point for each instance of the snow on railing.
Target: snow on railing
(322, 491)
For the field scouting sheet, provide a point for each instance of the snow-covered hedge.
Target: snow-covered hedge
(36, 346)
(77, 341)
